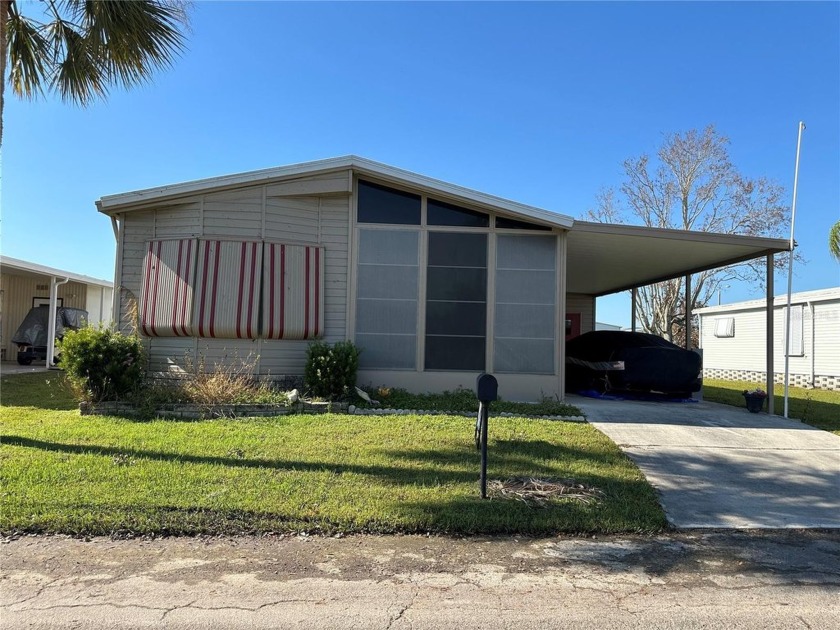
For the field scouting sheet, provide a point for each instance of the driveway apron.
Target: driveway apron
(719, 466)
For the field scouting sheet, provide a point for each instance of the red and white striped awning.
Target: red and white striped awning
(293, 280)
(228, 289)
(166, 300)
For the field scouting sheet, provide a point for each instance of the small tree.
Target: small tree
(692, 185)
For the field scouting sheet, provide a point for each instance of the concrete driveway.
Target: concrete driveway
(721, 466)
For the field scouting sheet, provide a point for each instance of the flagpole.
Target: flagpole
(790, 269)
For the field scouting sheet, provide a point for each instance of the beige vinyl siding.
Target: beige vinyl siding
(585, 305)
(271, 213)
(18, 292)
(98, 304)
(746, 350)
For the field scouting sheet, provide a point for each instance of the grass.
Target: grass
(465, 400)
(64, 473)
(818, 407)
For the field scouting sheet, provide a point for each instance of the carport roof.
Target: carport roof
(606, 258)
(17, 267)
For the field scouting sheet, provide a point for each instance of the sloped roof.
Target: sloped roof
(125, 202)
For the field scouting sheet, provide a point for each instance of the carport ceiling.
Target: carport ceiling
(603, 258)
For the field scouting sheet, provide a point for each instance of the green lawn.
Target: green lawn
(818, 407)
(331, 473)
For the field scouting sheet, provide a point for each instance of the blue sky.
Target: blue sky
(537, 102)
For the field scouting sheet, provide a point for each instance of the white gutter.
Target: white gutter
(51, 325)
(813, 342)
(119, 229)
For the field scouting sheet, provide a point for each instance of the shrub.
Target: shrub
(228, 383)
(331, 370)
(101, 364)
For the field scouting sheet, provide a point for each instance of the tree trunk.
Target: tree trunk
(4, 55)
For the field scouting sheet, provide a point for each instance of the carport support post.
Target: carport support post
(770, 363)
(51, 320)
(634, 296)
(688, 312)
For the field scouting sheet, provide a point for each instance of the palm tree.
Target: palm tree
(80, 49)
(834, 241)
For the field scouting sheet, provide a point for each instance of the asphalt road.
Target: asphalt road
(781, 579)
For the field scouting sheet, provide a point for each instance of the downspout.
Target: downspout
(51, 322)
(118, 228)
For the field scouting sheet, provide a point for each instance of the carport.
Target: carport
(25, 284)
(605, 258)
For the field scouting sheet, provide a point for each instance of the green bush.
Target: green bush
(101, 364)
(331, 370)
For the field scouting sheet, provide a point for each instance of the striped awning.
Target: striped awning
(166, 301)
(228, 289)
(293, 294)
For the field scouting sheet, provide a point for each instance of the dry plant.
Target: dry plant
(539, 492)
(229, 382)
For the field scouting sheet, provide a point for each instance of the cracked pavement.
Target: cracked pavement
(709, 579)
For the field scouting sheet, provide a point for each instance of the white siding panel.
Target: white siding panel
(292, 219)
(138, 229)
(827, 346)
(235, 214)
(178, 221)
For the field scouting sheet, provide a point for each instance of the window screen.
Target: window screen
(386, 298)
(725, 327)
(380, 204)
(456, 302)
(524, 335)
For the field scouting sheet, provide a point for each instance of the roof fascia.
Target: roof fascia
(775, 244)
(820, 295)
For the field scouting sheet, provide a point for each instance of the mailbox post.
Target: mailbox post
(487, 390)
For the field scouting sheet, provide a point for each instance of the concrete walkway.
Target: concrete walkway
(721, 466)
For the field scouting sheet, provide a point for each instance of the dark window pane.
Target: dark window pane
(455, 353)
(456, 318)
(441, 213)
(454, 283)
(457, 250)
(513, 224)
(380, 204)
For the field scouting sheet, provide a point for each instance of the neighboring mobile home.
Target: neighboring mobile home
(434, 282)
(25, 284)
(733, 339)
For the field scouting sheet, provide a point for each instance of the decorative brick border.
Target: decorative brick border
(197, 412)
(797, 380)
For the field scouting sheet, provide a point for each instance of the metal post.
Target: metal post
(633, 300)
(482, 411)
(770, 365)
(688, 312)
(790, 264)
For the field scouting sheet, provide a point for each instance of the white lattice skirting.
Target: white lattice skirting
(797, 380)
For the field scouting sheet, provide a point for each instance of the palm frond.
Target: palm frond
(834, 241)
(29, 54)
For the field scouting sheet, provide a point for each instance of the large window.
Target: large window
(386, 303)
(525, 304)
(380, 204)
(456, 301)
